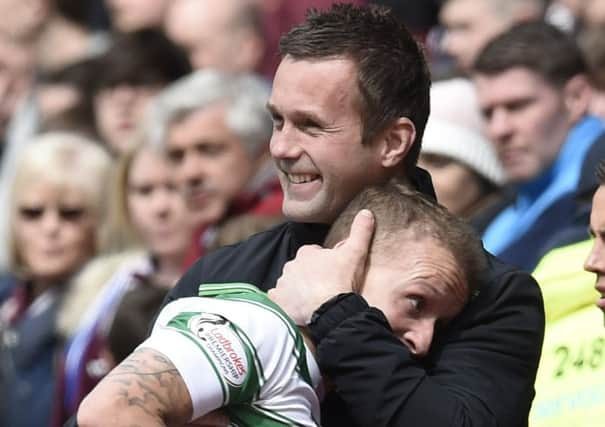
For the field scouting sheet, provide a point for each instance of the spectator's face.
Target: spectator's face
(156, 206)
(316, 140)
(212, 163)
(418, 286)
(456, 186)
(595, 262)
(207, 31)
(16, 66)
(594, 12)
(527, 120)
(118, 111)
(469, 25)
(133, 15)
(54, 231)
(23, 18)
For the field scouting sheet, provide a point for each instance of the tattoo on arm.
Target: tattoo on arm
(148, 381)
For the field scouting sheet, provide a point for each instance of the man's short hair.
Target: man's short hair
(537, 46)
(401, 213)
(393, 77)
(141, 58)
(244, 96)
(601, 172)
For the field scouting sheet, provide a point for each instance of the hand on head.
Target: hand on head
(318, 274)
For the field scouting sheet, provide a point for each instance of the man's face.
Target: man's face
(54, 231)
(119, 111)
(527, 120)
(595, 263)
(206, 30)
(133, 15)
(469, 25)
(418, 286)
(212, 163)
(316, 142)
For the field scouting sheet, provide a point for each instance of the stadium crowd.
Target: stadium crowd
(138, 137)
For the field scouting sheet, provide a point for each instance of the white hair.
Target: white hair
(245, 98)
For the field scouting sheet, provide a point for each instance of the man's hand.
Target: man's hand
(318, 274)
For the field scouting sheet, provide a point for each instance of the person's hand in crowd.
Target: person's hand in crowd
(318, 274)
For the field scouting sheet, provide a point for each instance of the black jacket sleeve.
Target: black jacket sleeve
(480, 372)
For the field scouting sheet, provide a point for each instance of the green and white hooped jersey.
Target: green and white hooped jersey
(234, 348)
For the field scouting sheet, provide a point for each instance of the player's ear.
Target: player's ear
(396, 142)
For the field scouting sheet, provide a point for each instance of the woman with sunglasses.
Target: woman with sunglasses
(55, 214)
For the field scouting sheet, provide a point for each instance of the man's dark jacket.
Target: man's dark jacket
(480, 371)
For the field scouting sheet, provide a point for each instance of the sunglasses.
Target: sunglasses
(67, 214)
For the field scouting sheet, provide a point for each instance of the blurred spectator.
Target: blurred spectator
(572, 369)
(222, 34)
(565, 14)
(16, 78)
(593, 13)
(470, 24)
(66, 36)
(135, 15)
(418, 17)
(278, 17)
(147, 212)
(466, 172)
(592, 42)
(23, 20)
(534, 91)
(125, 79)
(56, 211)
(216, 129)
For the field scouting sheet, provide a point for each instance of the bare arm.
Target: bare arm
(144, 390)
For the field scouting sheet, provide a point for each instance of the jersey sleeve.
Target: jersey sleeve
(211, 351)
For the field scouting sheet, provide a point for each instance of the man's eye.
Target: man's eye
(211, 149)
(176, 156)
(142, 190)
(278, 121)
(417, 303)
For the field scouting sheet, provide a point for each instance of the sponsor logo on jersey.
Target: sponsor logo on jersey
(223, 345)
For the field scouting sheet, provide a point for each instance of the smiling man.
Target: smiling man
(534, 93)
(349, 104)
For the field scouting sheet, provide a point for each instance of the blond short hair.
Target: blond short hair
(66, 161)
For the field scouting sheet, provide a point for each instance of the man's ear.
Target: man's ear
(577, 92)
(396, 142)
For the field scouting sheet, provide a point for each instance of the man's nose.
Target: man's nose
(192, 168)
(419, 338)
(595, 262)
(284, 145)
(499, 126)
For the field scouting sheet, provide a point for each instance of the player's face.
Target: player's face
(316, 142)
(595, 262)
(418, 286)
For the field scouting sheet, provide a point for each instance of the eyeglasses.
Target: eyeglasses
(67, 214)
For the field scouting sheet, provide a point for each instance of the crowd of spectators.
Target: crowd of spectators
(134, 138)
